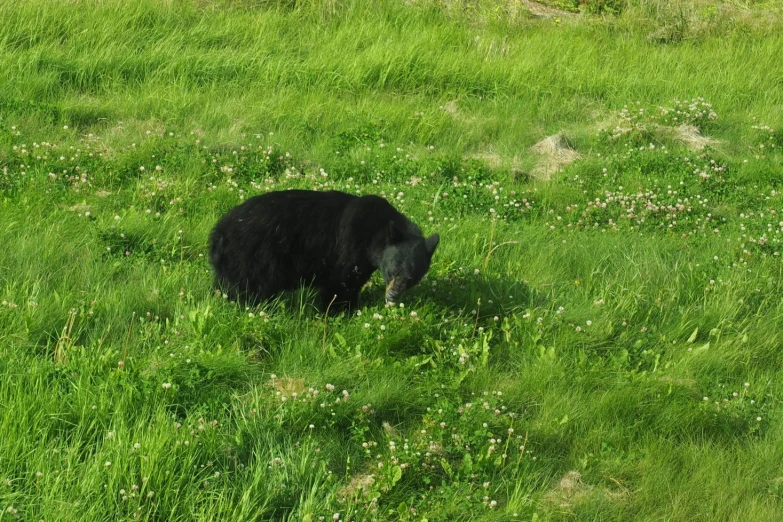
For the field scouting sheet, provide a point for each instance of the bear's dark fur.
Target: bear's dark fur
(335, 241)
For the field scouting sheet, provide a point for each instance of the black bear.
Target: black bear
(335, 241)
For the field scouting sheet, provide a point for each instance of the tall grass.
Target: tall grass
(601, 345)
(245, 68)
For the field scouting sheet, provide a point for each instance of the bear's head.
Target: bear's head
(404, 261)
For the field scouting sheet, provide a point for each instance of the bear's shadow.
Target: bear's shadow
(497, 294)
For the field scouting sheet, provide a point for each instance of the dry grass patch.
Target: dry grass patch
(554, 153)
(359, 485)
(687, 134)
(288, 386)
(544, 11)
(571, 490)
(690, 136)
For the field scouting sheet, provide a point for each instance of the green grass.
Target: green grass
(600, 345)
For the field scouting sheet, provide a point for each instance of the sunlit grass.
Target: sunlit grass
(601, 345)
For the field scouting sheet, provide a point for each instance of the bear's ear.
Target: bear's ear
(431, 243)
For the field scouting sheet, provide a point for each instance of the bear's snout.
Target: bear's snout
(392, 293)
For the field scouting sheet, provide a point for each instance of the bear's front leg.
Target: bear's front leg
(336, 301)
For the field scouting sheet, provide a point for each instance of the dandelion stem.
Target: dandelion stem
(478, 313)
(127, 337)
(326, 316)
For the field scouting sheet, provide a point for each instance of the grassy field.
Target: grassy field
(599, 336)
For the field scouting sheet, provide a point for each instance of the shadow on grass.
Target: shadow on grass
(462, 293)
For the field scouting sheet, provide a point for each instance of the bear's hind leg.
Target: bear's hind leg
(248, 293)
(343, 300)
